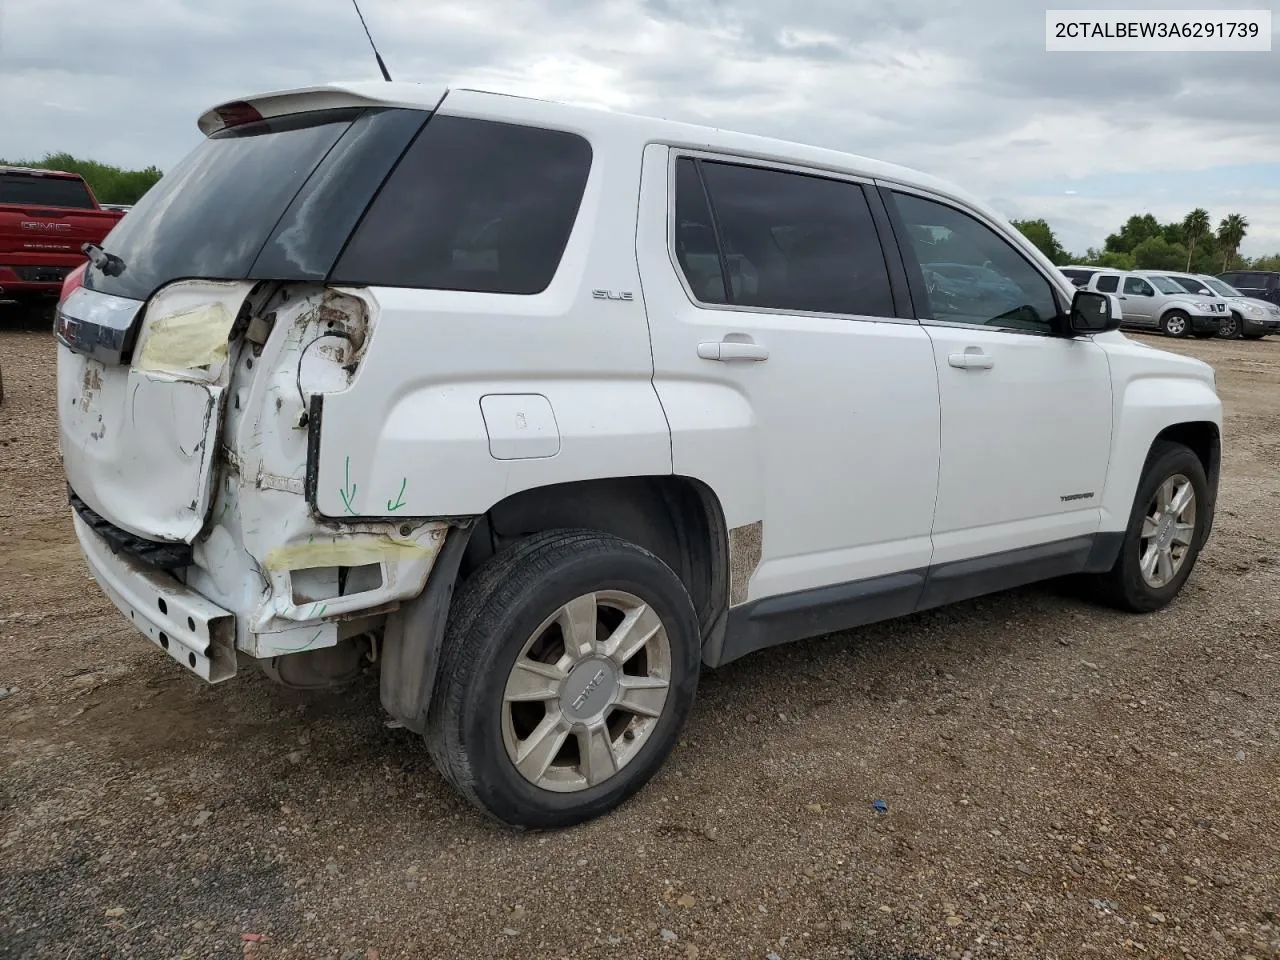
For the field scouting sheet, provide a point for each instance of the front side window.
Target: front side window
(1224, 289)
(1109, 283)
(1192, 285)
(999, 288)
(787, 241)
(1138, 287)
(473, 205)
(1166, 285)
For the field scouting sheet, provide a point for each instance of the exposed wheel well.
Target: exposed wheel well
(1203, 439)
(676, 518)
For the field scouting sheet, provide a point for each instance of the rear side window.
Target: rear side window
(473, 205)
(1078, 277)
(787, 241)
(1108, 284)
(1138, 287)
(27, 189)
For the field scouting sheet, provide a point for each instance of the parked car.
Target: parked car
(1260, 284)
(555, 406)
(1153, 301)
(1078, 275)
(45, 218)
(977, 282)
(1247, 317)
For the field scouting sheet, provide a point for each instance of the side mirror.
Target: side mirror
(1092, 313)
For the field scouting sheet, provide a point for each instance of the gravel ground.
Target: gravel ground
(1060, 780)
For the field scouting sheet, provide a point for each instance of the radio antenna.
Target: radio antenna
(377, 56)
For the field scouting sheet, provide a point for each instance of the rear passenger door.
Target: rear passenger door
(796, 384)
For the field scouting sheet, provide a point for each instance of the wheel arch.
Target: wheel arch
(679, 519)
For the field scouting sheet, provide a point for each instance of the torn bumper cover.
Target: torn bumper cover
(197, 633)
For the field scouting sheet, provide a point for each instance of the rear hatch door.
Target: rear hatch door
(148, 346)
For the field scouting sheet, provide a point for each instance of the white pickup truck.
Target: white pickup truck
(540, 409)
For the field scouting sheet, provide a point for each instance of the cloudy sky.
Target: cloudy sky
(961, 88)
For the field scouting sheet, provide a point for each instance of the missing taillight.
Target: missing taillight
(238, 114)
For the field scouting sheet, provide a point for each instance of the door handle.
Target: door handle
(972, 359)
(732, 350)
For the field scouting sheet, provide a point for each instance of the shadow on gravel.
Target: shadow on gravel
(14, 316)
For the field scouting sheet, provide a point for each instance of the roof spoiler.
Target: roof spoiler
(363, 93)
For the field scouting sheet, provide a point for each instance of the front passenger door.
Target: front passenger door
(1026, 412)
(1139, 301)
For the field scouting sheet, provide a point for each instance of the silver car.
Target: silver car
(1247, 317)
(1152, 300)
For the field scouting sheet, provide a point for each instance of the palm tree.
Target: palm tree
(1230, 232)
(1195, 226)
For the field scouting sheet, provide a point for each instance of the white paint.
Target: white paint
(138, 446)
(520, 426)
(1016, 438)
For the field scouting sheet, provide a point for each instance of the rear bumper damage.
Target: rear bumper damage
(197, 633)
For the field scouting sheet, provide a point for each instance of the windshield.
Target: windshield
(1165, 285)
(1223, 288)
(34, 190)
(234, 194)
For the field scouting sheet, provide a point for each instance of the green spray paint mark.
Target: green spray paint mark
(348, 490)
(399, 496)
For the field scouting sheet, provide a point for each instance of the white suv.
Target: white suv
(539, 409)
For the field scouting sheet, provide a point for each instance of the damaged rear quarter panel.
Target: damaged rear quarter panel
(305, 340)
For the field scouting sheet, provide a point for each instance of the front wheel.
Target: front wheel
(569, 667)
(1165, 533)
(1175, 323)
(1232, 327)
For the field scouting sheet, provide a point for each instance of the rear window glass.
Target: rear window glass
(211, 215)
(37, 191)
(473, 205)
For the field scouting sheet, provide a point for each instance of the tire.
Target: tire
(1232, 327)
(506, 611)
(1124, 585)
(1175, 323)
(1253, 336)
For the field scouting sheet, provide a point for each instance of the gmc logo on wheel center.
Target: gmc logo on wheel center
(45, 227)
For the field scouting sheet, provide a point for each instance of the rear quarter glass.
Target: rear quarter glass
(232, 200)
(474, 205)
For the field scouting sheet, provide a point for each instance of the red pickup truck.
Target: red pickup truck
(45, 217)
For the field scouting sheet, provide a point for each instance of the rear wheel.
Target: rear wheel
(1165, 533)
(569, 667)
(1175, 323)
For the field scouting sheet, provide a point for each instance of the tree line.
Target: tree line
(109, 184)
(1192, 245)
